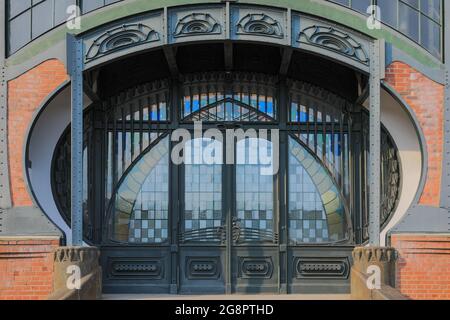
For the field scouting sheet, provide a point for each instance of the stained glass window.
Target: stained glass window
(316, 210)
(142, 201)
(212, 99)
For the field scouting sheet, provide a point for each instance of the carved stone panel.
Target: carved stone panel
(201, 23)
(254, 23)
(330, 40)
(122, 38)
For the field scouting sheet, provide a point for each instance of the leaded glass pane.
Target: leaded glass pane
(254, 220)
(212, 100)
(142, 201)
(203, 220)
(316, 210)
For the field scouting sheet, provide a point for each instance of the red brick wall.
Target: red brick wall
(26, 269)
(426, 98)
(423, 268)
(25, 94)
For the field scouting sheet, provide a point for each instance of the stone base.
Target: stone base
(363, 283)
(67, 262)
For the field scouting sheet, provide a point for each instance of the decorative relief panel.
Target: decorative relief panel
(255, 267)
(203, 268)
(261, 25)
(253, 23)
(321, 268)
(332, 39)
(193, 24)
(115, 40)
(197, 24)
(152, 268)
(125, 36)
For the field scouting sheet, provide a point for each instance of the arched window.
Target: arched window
(316, 196)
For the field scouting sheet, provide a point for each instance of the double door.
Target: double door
(228, 222)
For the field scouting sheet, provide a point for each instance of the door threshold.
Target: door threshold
(294, 297)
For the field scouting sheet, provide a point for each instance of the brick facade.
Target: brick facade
(26, 269)
(423, 268)
(25, 94)
(426, 98)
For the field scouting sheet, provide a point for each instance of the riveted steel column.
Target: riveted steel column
(445, 190)
(75, 70)
(5, 195)
(375, 144)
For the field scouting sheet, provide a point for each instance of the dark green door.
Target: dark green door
(228, 237)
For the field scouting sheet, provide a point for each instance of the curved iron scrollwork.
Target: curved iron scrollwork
(197, 24)
(332, 39)
(390, 178)
(245, 235)
(260, 25)
(217, 234)
(125, 36)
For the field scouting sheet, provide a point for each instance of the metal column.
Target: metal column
(5, 194)
(75, 70)
(375, 144)
(445, 189)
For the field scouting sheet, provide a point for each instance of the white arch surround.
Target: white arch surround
(48, 126)
(398, 122)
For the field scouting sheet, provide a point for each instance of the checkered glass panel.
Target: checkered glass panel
(149, 218)
(307, 216)
(203, 190)
(254, 188)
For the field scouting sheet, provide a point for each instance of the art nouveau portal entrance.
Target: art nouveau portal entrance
(183, 211)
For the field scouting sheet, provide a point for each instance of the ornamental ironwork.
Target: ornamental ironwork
(260, 25)
(195, 24)
(125, 36)
(330, 38)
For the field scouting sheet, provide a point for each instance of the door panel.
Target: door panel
(319, 270)
(135, 269)
(254, 252)
(202, 224)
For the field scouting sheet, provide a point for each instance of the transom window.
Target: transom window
(229, 97)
